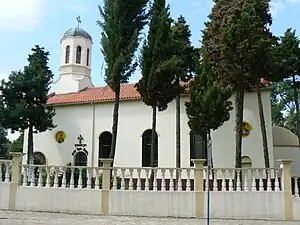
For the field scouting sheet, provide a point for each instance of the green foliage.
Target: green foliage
(24, 97)
(283, 105)
(183, 49)
(241, 48)
(289, 54)
(239, 42)
(122, 24)
(158, 86)
(17, 145)
(4, 143)
(209, 106)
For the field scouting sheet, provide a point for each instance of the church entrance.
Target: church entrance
(80, 159)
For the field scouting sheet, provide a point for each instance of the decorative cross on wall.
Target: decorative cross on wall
(80, 146)
(80, 139)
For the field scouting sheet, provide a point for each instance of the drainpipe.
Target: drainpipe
(93, 136)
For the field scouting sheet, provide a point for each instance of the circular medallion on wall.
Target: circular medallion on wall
(60, 137)
(247, 128)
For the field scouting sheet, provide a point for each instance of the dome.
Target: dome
(77, 32)
(283, 137)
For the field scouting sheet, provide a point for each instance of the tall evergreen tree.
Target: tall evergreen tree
(24, 97)
(238, 43)
(158, 85)
(121, 27)
(289, 51)
(209, 106)
(185, 52)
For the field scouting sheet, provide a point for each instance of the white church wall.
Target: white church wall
(73, 121)
(223, 143)
(134, 119)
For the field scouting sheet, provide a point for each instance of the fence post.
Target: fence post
(286, 187)
(105, 185)
(15, 178)
(198, 188)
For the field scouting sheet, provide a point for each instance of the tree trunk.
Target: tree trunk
(297, 108)
(115, 124)
(178, 154)
(30, 158)
(152, 146)
(30, 155)
(263, 126)
(239, 114)
(153, 135)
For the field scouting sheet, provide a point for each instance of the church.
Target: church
(84, 120)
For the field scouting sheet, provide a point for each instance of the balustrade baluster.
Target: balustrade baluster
(261, 183)
(147, 180)
(246, 174)
(179, 182)
(138, 184)
(296, 190)
(223, 184)
(40, 180)
(231, 177)
(269, 184)
(89, 178)
(72, 181)
(64, 178)
(163, 179)
(80, 179)
(131, 179)
(188, 179)
(7, 173)
(238, 182)
(171, 180)
(97, 180)
(25, 181)
(277, 188)
(123, 179)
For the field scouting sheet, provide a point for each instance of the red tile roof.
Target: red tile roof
(95, 94)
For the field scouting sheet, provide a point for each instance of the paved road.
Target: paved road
(28, 218)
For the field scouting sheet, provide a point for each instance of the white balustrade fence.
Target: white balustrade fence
(62, 176)
(243, 179)
(296, 186)
(5, 171)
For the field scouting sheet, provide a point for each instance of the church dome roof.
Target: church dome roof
(283, 137)
(77, 32)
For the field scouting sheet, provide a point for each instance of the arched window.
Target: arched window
(67, 56)
(80, 159)
(78, 54)
(39, 158)
(146, 148)
(198, 148)
(104, 145)
(88, 57)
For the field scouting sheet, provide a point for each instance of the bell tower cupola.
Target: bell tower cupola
(76, 61)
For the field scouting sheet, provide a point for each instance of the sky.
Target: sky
(25, 23)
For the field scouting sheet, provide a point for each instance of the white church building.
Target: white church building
(84, 120)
